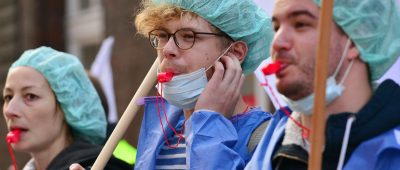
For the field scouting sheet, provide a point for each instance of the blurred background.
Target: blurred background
(79, 27)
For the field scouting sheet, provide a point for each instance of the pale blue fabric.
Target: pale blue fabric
(151, 137)
(374, 27)
(74, 91)
(381, 152)
(212, 141)
(240, 19)
(262, 158)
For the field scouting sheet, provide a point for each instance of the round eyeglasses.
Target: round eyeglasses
(183, 38)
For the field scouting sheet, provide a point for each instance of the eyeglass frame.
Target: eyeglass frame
(187, 29)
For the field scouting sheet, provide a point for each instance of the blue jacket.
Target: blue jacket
(212, 141)
(374, 141)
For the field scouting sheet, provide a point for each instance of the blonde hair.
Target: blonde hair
(153, 16)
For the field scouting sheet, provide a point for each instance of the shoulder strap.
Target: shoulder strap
(256, 136)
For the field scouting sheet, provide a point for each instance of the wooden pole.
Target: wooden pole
(126, 119)
(321, 69)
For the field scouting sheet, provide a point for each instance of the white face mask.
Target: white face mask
(184, 90)
(333, 90)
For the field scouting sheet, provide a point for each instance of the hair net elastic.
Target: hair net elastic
(374, 26)
(240, 19)
(73, 89)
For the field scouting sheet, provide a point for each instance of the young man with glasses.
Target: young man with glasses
(208, 47)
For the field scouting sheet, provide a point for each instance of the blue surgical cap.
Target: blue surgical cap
(73, 89)
(242, 20)
(374, 26)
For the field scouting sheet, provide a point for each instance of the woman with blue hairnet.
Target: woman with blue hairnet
(363, 121)
(51, 105)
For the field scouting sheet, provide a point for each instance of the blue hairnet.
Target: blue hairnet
(240, 19)
(73, 89)
(374, 26)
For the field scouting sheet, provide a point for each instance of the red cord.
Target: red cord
(305, 131)
(166, 118)
(247, 108)
(12, 155)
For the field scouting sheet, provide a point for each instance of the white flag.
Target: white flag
(101, 69)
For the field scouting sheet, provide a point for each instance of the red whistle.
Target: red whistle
(13, 136)
(164, 77)
(271, 68)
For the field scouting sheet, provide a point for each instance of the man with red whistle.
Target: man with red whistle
(363, 120)
(205, 48)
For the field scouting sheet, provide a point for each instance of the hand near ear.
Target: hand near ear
(223, 89)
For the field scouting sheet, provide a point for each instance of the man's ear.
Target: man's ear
(239, 49)
(353, 52)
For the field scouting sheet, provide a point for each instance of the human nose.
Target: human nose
(170, 48)
(11, 108)
(282, 40)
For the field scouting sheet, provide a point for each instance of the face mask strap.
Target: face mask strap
(346, 49)
(347, 72)
(226, 50)
(348, 43)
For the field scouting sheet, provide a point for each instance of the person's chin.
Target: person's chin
(283, 83)
(288, 87)
(21, 147)
(281, 87)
